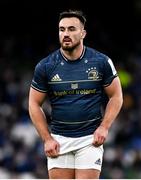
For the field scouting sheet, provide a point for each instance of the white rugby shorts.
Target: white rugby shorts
(77, 153)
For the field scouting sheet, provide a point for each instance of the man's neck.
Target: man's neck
(74, 54)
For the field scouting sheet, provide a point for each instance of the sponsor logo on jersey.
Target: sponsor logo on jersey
(56, 78)
(74, 85)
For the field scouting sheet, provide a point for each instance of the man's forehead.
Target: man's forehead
(71, 21)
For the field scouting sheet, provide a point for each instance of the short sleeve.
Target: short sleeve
(109, 72)
(39, 81)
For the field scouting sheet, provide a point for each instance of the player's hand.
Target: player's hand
(51, 148)
(100, 135)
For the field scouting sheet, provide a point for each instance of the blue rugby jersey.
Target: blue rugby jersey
(75, 89)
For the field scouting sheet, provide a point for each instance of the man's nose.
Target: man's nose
(66, 33)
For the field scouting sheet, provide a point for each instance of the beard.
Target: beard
(70, 47)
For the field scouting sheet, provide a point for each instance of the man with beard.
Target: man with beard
(74, 79)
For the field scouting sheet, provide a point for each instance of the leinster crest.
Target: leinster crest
(93, 74)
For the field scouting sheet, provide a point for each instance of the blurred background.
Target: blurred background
(29, 32)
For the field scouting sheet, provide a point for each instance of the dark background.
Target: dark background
(29, 32)
(112, 25)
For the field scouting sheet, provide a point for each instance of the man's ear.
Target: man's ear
(83, 34)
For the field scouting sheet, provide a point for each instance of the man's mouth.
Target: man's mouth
(66, 40)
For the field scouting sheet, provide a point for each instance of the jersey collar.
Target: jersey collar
(82, 55)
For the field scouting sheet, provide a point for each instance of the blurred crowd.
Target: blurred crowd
(21, 149)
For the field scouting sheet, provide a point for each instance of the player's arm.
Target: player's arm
(39, 120)
(114, 92)
(37, 115)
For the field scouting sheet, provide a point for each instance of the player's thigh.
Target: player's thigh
(61, 173)
(61, 167)
(88, 162)
(87, 174)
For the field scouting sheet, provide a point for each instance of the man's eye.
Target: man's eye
(72, 29)
(61, 29)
